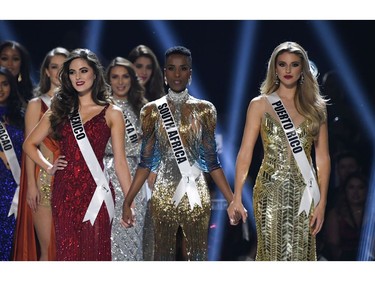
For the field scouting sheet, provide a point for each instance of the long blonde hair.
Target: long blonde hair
(308, 99)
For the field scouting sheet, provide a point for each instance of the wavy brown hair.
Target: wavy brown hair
(136, 95)
(154, 87)
(66, 100)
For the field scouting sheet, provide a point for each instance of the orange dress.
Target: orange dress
(26, 245)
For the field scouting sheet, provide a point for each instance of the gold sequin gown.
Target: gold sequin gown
(196, 120)
(282, 234)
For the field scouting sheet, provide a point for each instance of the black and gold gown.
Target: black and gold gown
(282, 234)
(196, 121)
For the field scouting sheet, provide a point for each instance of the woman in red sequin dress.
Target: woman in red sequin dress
(84, 91)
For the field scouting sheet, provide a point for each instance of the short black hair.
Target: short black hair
(179, 50)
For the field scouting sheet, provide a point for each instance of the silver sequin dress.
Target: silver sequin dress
(126, 242)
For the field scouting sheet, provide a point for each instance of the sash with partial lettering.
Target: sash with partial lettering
(10, 154)
(130, 129)
(131, 133)
(189, 173)
(311, 192)
(102, 191)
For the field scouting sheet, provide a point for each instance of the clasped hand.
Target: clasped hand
(236, 212)
(128, 216)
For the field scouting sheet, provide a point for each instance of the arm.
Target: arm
(323, 164)
(117, 125)
(221, 181)
(139, 178)
(245, 154)
(34, 139)
(31, 119)
(143, 170)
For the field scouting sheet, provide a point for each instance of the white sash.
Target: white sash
(189, 173)
(311, 192)
(102, 191)
(47, 99)
(130, 130)
(10, 154)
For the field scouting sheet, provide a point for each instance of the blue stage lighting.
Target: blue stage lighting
(6, 31)
(94, 35)
(333, 47)
(234, 131)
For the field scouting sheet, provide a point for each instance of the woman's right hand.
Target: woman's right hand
(33, 197)
(236, 211)
(59, 164)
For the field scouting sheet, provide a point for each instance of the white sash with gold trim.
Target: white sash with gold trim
(189, 173)
(10, 154)
(102, 191)
(311, 192)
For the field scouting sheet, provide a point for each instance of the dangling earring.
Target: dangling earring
(302, 79)
(19, 79)
(165, 81)
(277, 80)
(190, 78)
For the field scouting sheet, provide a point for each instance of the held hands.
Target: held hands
(59, 164)
(128, 215)
(236, 212)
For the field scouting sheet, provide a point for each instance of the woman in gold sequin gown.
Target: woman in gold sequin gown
(35, 236)
(283, 233)
(196, 122)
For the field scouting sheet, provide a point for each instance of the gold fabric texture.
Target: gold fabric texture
(282, 234)
(196, 120)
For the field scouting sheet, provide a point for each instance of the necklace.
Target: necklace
(178, 97)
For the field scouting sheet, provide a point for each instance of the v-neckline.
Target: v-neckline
(93, 117)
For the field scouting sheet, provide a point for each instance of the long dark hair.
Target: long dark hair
(66, 100)
(154, 87)
(136, 93)
(23, 80)
(15, 110)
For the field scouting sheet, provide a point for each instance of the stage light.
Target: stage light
(93, 35)
(6, 31)
(359, 101)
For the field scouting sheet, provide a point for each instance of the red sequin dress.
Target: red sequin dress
(72, 192)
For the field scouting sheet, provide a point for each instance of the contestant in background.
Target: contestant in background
(11, 139)
(35, 235)
(150, 76)
(15, 57)
(128, 94)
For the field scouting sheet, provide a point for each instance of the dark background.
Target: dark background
(214, 46)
